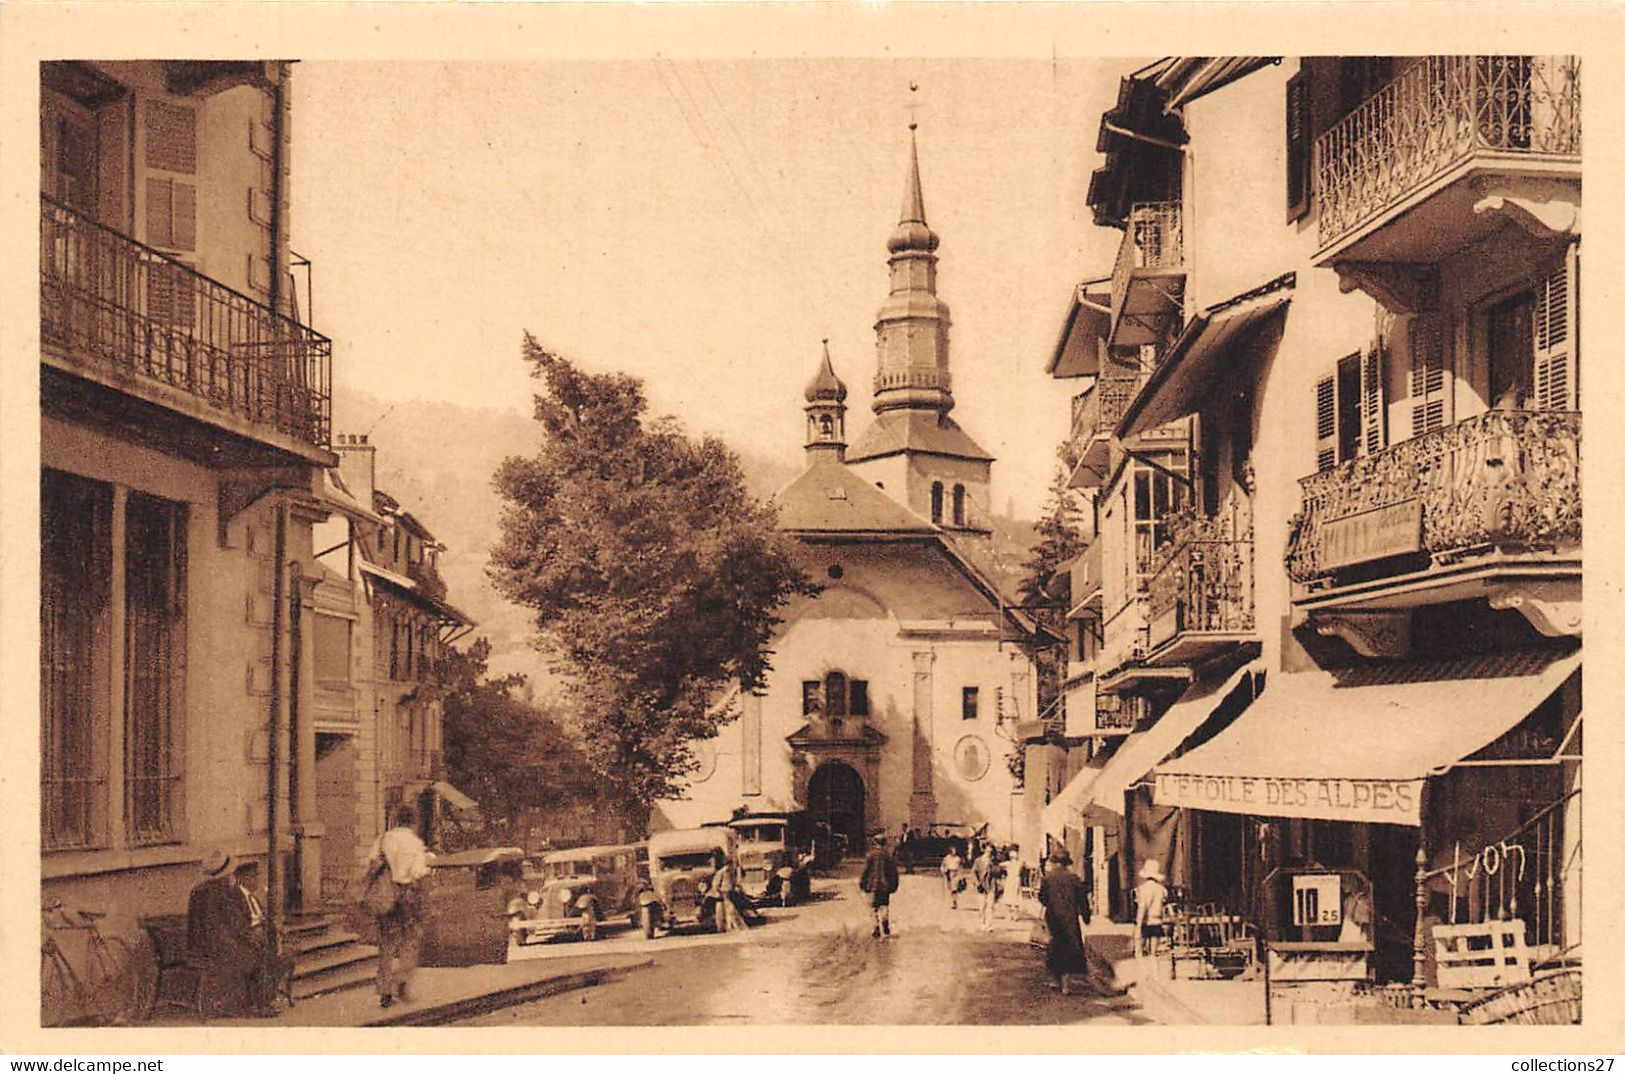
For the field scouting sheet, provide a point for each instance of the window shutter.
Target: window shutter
(1373, 399)
(171, 214)
(1427, 375)
(1555, 365)
(1297, 147)
(1326, 424)
(171, 137)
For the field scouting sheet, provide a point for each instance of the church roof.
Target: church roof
(829, 498)
(924, 431)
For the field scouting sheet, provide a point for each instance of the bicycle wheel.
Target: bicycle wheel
(56, 990)
(111, 980)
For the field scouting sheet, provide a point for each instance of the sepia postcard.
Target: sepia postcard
(810, 528)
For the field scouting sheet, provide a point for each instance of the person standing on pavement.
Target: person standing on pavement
(1065, 899)
(402, 854)
(986, 873)
(1013, 875)
(880, 880)
(952, 865)
(1150, 896)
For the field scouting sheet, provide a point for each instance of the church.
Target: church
(897, 693)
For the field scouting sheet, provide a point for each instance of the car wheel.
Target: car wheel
(589, 924)
(647, 919)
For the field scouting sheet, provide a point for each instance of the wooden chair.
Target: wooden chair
(181, 981)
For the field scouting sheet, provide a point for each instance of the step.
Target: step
(308, 925)
(358, 975)
(322, 941)
(347, 967)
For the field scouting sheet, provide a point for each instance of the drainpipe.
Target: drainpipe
(279, 164)
(273, 861)
(295, 651)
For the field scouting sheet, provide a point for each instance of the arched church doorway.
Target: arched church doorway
(835, 796)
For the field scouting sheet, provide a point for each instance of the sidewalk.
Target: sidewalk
(444, 994)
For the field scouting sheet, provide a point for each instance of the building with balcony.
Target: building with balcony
(899, 693)
(184, 430)
(1365, 574)
(382, 626)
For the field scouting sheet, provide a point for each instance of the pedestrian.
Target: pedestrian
(952, 865)
(399, 856)
(1150, 896)
(1014, 875)
(224, 938)
(1065, 899)
(985, 871)
(905, 847)
(726, 891)
(880, 880)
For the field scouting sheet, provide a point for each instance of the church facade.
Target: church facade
(897, 693)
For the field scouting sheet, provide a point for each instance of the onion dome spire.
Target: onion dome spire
(912, 232)
(826, 413)
(826, 385)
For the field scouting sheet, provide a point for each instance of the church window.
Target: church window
(812, 697)
(826, 427)
(835, 695)
(860, 697)
(959, 505)
(969, 699)
(936, 501)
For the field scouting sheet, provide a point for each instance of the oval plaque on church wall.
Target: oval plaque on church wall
(705, 752)
(971, 758)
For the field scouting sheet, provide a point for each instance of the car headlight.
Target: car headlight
(564, 895)
(534, 898)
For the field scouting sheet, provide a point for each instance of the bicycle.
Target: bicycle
(111, 989)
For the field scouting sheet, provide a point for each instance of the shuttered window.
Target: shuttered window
(1374, 399)
(1427, 380)
(171, 131)
(1326, 424)
(171, 295)
(1298, 147)
(171, 214)
(1556, 368)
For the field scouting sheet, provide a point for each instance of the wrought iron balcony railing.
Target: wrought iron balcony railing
(1505, 479)
(107, 300)
(1201, 580)
(1096, 412)
(1434, 115)
(1153, 238)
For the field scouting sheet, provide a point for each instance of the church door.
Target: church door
(835, 796)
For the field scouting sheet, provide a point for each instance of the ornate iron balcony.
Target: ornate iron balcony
(1503, 480)
(107, 300)
(1153, 238)
(1434, 115)
(1201, 581)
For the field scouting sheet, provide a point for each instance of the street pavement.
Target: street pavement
(817, 963)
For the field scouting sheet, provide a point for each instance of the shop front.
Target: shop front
(1449, 787)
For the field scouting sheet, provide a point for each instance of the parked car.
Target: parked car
(775, 857)
(931, 846)
(574, 892)
(683, 868)
(465, 905)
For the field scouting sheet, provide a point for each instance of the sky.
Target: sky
(702, 225)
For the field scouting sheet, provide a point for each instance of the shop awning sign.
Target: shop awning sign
(1365, 801)
(1391, 530)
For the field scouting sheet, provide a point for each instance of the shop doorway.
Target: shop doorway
(835, 796)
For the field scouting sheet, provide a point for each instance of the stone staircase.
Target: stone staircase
(329, 957)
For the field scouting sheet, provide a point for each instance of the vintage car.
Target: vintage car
(465, 901)
(931, 846)
(573, 892)
(775, 857)
(683, 867)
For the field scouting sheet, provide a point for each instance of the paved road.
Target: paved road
(817, 963)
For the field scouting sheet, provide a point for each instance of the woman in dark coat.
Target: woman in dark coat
(1065, 899)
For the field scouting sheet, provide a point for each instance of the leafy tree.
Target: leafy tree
(509, 754)
(1060, 538)
(655, 578)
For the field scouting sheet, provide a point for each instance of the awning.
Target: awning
(1190, 369)
(1095, 795)
(445, 791)
(1358, 745)
(1088, 319)
(1185, 78)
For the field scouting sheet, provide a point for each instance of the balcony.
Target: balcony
(1434, 160)
(1488, 507)
(1199, 599)
(1148, 280)
(1095, 414)
(136, 321)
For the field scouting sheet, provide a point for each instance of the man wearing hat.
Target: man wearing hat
(222, 936)
(1065, 898)
(1149, 897)
(880, 880)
